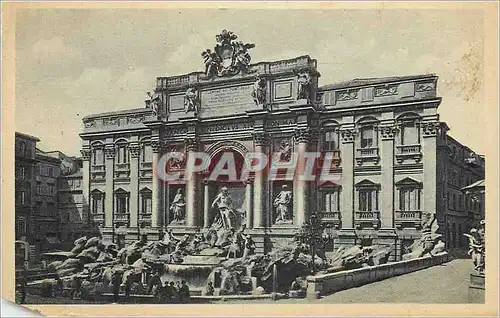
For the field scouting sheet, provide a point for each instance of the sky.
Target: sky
(71, 63)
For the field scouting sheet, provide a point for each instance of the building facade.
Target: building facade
(25, 186)
(389, 150)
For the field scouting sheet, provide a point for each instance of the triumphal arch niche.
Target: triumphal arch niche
(238, 107)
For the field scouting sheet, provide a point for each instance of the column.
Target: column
(300, 188)
(157, 195)
(134, 184)
(109, 188)
(387, 193)
(259, 193)
(430, 131)
(206, 204)
(191, 189)
(86, 183)
(249, 202)
(348, 136)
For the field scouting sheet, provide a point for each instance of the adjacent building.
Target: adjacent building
(393, 160)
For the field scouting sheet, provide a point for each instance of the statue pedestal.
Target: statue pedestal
(476, 288)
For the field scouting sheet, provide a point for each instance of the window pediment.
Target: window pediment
(409, 182)
(367, 184)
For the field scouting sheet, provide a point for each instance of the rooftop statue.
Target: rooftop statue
(229, 57)
(153, 102)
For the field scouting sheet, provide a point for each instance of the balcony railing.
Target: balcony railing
(145, 218)
(121, 218)
(404, 152)
(409, 218)
(97, 217)
(122, 166)
(98, 168)
(364, 217)
(331, 217)
(146, 165)
(367, 154)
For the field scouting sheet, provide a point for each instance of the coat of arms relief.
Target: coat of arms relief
(229, 56)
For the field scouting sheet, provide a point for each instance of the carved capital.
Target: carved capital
(430, 129)
(191, 144)
(155, 145)
(135, 150)
(348, 135)
(260, 138)
(303, 135)
(109, 151)
(387, 132)
(85, 153)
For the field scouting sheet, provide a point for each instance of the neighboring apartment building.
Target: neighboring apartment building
(25, 186)
(391, 156)
(462, 212)
(45, 219)
(74, 223)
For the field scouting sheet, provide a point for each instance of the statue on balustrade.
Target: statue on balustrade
(153, 102)
(178, 206)
(259, 91)
(191, 100)
(282, 204)
(304, 85)
(224, 204)
(477, 248)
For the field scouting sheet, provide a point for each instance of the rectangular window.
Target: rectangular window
(330, 198)
(409, 199)
(121, 205)
(122, 155)
(97, 157)
(97, 204)
(331, 141)
(409, 134)
(24, 197)
(367, 137)
(366, 200)
(146, 205)
(146, 153)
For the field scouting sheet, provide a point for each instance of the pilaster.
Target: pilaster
(430, 131)
(157, 195)
(348, 136)
(109, 151)
(134, 150)
(86, 153)
(191, 188)
(300, 188)
(260, 183)
(387, 191)
(249, 203)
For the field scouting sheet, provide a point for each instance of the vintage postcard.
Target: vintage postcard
(228, 159)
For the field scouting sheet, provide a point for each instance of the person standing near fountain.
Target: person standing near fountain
(224, 204)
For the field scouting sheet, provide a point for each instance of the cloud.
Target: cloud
(55, 48)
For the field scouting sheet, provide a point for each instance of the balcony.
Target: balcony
(145, 219)
(146, 170)
(97, 168)
(366, 217)
(121, 219)
(122, 170)
(97, 218)
(331, 218)
(408, 219)
(369, 154)
(408, 152)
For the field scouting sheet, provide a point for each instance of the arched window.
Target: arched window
(146, 153)
(409, 132)
(122, 155)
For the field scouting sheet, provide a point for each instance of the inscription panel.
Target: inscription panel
(227, 96)
(176, 103)
(282, 90)
(222, 127)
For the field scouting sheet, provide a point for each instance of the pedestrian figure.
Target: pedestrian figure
(22, 288)
(184, 293)
(75, 286)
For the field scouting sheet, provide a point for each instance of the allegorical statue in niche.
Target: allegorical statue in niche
(259, 91)
(153, 102)
(282, 204)
(304, 85)
(191, 100)
(176, 160)
(178, 206)
(224, 205)
(285, 152)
